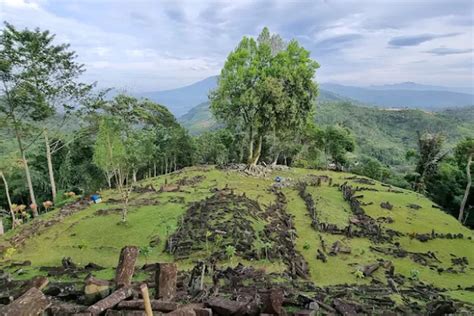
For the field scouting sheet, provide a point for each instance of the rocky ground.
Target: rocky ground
(292, 249)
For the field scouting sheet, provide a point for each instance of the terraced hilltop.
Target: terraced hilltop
(317, 234)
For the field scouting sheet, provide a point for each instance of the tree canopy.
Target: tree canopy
(265, 86)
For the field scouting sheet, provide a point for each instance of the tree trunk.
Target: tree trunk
(166, 165)
(256, 153)
(125, 206)
(134, 176)
(250, 153)
(124, 188)
(50, 166)
(7, 193)
(174, 162)
(154, 169)
(275, 161)
(30, 185)
(29, 182)
(468, 188)
(109, 179)
(27, 169)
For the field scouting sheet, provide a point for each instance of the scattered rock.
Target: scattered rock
(369, 269)
(224, 306)
(96, 289)
(414, 206)
(386, 205)
(273, 302)
(305, 312)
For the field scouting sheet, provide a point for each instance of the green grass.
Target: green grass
(86, 237)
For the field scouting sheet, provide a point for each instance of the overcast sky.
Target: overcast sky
(154, 45)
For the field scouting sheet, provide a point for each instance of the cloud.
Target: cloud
(336, 42)
(442, 51)
(20, 4)
(414, 40)
(153, 45)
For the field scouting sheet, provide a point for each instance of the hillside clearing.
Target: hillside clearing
(93, 234)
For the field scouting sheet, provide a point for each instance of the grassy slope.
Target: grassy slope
(90, 238)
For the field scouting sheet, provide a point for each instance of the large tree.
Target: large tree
(428, 157)
(336, 141)
(110, 155)
(36, 76)
(265, 85)
(464, 153)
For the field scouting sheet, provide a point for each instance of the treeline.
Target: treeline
(61, 137)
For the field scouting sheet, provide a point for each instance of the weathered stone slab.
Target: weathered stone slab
(126, 266)
(165, 279)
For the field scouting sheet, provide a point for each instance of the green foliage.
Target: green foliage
(306, 245)
(429, 154)
(441, 176)
(9, 252)
(36, 73)
(230, 252)
(37, 76)
(372, 168)
(208, 234)
(414, 275)
(146, 251)
(385, 135)
(217, 147)
(264, 87)
(463, 150)
(337, 142)
(359, 274)
(109, 149)
(111, 156)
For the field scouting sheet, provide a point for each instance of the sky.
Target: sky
(156, 45)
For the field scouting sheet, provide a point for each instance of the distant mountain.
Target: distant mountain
(405, 95)
(179, 101)
(421, 87)
(400, 95)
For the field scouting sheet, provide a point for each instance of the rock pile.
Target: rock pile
(215, 222)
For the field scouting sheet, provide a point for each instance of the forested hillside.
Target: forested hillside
(405, 96)
(383, 134)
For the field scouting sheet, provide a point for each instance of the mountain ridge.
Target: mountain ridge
(403, 98)
(399, 95)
